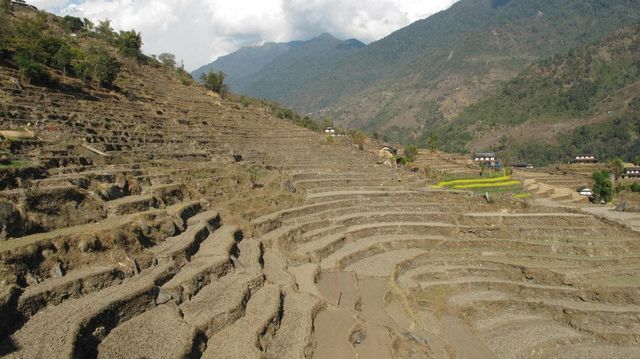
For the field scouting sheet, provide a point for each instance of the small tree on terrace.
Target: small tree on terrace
(214, 81)
(62, 58)
(167, 59)
(602, 186)
(129, 43)
(617, 167)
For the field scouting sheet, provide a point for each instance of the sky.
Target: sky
(199, 31)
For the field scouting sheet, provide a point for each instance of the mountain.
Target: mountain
(244, 63)
(585, 101)
(274, 70)
(431, 70)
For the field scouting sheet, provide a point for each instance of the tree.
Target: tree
(410, 153)
(167, 59)
(215, 82)
(104, 67)
(636, 160)
(129, 43)
(80, 63)
(602, 186)
(616, 166)
(62, 58)
(72, 23)
(105, 31)
(433, 141)
(88, 24)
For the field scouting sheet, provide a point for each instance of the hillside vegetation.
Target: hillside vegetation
(43, 47)
(592, 90)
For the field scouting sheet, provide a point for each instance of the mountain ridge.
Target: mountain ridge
(244, 67)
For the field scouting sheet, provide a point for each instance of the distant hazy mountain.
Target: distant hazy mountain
(247, 61)
(273, 70)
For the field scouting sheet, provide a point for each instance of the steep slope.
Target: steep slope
(587, 101)
(227, 233)
(274, 70)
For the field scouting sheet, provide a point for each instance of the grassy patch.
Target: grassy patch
(522, 195)
(470, 181)
(16, 164)
(493, 185)
(486, 185)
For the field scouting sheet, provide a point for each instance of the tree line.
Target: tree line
(74, 47)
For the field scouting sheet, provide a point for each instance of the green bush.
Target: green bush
(602, 186)
(214, 81)
(635, 187)
(410, 153)
(29, 69)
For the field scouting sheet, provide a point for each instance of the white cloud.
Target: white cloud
(199, 31)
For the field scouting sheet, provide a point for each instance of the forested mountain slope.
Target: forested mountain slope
(587, 101)
(431, 70)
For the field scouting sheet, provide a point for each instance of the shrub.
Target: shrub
(184, 76)
(29, 69)
(328, 140)
(214, 81)
(410, 153)
(635, 187)
(358, 137)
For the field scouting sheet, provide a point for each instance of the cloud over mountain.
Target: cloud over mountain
(199, 31)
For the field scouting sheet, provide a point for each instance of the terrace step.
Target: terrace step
(157, 333)
(294, 337)
(75, 327)
(212, 261)
(73, 285)
(244, 339)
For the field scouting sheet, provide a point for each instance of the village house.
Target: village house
(584, 159)
(485, 158)
(631, 172)
(330, 131)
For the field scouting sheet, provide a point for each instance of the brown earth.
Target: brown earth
(172, 223)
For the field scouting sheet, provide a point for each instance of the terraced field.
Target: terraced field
(171, 223)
